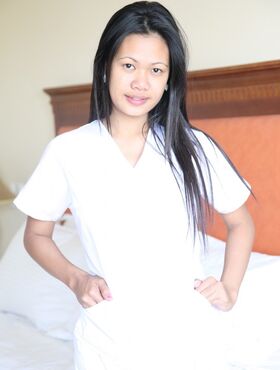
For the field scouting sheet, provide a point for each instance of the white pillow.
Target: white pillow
(27, 290)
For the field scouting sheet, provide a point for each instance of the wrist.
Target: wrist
(74, 276)
(231, 290)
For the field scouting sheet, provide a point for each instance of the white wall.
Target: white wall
(10, 221)
(52, 43)
(223, 32)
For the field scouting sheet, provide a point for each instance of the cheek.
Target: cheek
(119, 83)
(158, 89)
(159, 84)
(114, 87)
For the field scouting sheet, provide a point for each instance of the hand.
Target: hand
(217, 293)
(91, 290)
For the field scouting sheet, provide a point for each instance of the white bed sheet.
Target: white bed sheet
(254, 342)
(23, 347)
(272, 363)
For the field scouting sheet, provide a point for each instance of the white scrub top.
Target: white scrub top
(133, 225)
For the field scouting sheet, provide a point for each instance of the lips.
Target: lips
(136, 100)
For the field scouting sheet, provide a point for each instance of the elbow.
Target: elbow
(27, 240)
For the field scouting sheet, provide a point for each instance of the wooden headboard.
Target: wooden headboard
(240, 107)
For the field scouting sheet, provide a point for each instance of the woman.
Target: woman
(136, 180)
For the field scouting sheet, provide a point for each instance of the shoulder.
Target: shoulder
(79, 135)
(205, 145)
(77, 140)
(200, 137)
(76, 145)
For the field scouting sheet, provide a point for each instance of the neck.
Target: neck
(128, 127)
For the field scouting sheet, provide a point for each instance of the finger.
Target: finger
(88, 301)
(215, 291)
(93, 295)
(89, 305)
(209, 292)
(206, 283)
(104, 290)
(197, 283)
(219, 300)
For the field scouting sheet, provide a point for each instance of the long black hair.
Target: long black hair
(144, 17)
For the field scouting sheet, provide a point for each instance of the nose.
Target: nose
(140, 81)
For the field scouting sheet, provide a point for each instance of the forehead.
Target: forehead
(144, 47)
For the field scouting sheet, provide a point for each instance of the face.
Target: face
(139, 75)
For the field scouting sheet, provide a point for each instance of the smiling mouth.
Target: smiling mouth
(136, 100)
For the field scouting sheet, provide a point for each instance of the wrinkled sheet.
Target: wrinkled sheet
(254, 322)
(23, 347)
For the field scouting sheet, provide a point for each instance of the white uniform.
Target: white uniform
(134, 227)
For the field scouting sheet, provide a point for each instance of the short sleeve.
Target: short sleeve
(228, 190)
(46, 195)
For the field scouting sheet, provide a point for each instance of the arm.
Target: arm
(238, 247)
(38, 242)
(223, 294)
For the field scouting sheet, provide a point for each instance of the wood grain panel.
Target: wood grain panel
(248, 90)
(70, 105)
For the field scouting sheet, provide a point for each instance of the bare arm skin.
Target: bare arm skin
(38, 242)
(223, 294)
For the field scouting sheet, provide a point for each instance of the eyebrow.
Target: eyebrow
(136, 61)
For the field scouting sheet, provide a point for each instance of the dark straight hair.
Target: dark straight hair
(170, 113)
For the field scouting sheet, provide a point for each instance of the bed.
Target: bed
(239, 106)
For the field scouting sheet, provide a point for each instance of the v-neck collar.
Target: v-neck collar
(120, 153)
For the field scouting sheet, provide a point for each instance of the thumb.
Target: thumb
(197, 282)
(104, 290)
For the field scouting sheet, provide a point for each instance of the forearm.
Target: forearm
(45, 252)
(223, 294)
(238, 250)
(39, 243)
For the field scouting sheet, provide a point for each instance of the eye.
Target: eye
(128, 66)
(157, 71)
